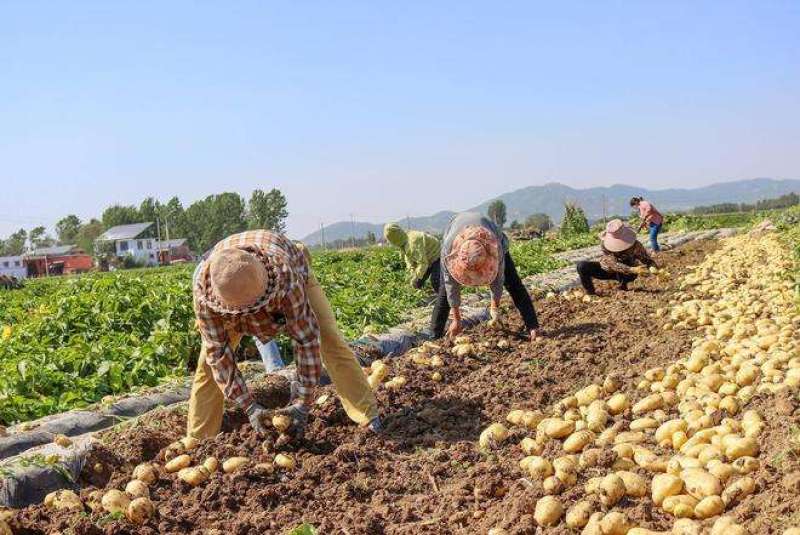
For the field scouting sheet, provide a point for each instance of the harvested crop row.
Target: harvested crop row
(685, 439)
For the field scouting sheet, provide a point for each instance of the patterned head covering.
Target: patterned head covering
(474, 257)
(240, 281)
(618, 236)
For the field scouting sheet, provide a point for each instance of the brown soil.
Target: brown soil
(424, 474)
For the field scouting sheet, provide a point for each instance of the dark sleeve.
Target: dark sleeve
(642, 255)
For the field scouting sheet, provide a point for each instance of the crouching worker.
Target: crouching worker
(258, 283)
(623, 256)
(475, 253)
(420, 251)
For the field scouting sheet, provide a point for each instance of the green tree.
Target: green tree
(149, 211)
(497, 212)
(174, 216)
(214, 218)
(67, 229)
(38, 238)
(539, 222)
(88, 233)
(15, 244)
(267, 210)
(574, 221)
(120, 215)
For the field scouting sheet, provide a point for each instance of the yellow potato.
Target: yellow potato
(137, 489)
(284, 461)
(492, 436)
(664, 486)
(281, 422)
(234, 464)
(211, 464)
(548, 511)
(617, 404)
(558, 428)
(189, 443)
(615, 523)
(178, 463)
(530, 446)
(140, 510)
(708, 507)
(194, 475)
(577, 441)
(115, 501)
(63, 441)
(539, 468)
(741, 447)
(738, 490)
(579, 514)
(145, 473)
(611, 489)
(700, 483)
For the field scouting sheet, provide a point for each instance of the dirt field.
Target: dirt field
(425, 474)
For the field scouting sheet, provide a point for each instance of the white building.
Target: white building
(138, 241)
(13, 266)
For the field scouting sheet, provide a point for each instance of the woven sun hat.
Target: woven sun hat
(474, 257)
(239, 282)
(618, 236)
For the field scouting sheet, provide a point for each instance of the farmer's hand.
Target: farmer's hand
(495, 317)
(535, 333)
(257, 415)
(298, 413)
(455, 328)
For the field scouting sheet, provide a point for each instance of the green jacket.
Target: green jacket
(418, 249)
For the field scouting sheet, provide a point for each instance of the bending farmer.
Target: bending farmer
(651, 220)
(475, 253)
(420, 251)
(622, 252)
(259, 283)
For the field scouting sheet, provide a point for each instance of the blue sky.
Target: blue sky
(383, 109)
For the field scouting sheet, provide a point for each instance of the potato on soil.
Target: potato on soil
(539, 468)
(530, 446)
(136, 489)
(577, 441)
(611, 489)
(558, 428)
(578, 515)
(615, 523)
(189, 443)
(493, 435)
(194, 475)
(146, 473)
(708, 507)
(115, 501)
(635, 485)
(140, 510)
(284, 461)
(548, 511)
(700, 483)
(178, 463)
(281, 422)
(64, 500)
(94, 501)
(738, 490)
(234, 464)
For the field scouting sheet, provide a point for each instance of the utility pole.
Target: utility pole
(158, 240)
(408, 222)
(322, 229)
(604, 208)
(353, 230)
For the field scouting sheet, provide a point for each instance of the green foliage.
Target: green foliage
(214, 218)
(539, 222)
(73, 340)
(574, 221)
(120, 215)
(304, 529)
(267, 210)
(497, 212)
(15, 244)
(67, 229)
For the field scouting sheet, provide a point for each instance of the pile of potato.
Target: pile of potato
(685, 439)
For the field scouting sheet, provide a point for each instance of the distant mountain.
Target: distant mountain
(550, 199)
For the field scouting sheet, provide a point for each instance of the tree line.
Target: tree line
(784, 201)
(203, 223)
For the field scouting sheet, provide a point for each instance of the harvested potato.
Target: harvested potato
(530, 446)
(700, 483)
(492, 436)
(178, 463)
(136, 489)
(577, 441)
(738, 490)
(558, 428)
(741, 447)
(611, 490)
(436, 377)
(189, 443)
(140, 510)
(548, 511)
(708, 507)
(615, 523)
(211, 464)
(539, 468)
(64, 500)
(284, 461)
(578, 515)
(679, 503)
(234, 464)
(635, 485)
(115, 501)
(146, 473)
(617, 404)
(281, 422)
(194, 475)
(94, 501)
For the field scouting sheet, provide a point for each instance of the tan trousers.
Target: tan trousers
(206, 404)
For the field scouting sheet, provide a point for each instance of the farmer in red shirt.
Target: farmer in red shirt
(651, 219)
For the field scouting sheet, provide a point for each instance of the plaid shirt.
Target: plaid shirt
(622, 261)
(287, 311)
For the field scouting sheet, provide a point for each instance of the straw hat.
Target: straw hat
(618, 236)
(474, 257)
(238, 281)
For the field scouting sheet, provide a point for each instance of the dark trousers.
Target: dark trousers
(435, 273)
(592, 270)
(513, 284)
